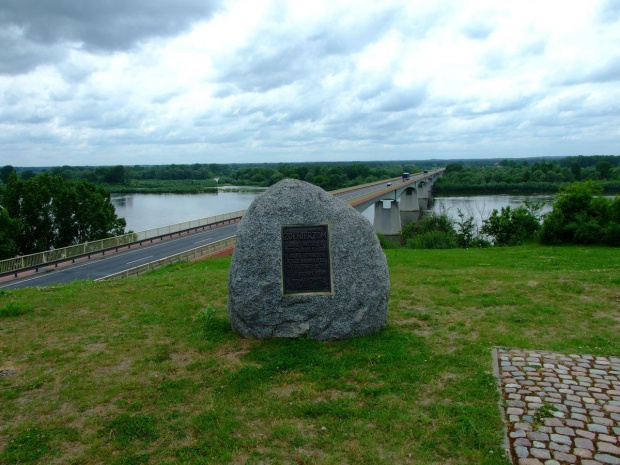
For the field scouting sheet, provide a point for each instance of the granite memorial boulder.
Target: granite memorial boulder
(306, 264)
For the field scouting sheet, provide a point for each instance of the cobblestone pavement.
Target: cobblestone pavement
(560, 409)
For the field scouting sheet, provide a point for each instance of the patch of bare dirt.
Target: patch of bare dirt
(231, 354)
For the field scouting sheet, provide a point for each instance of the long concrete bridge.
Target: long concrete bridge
(399, 203)
(405, 199)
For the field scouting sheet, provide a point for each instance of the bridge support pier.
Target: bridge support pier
(409, 207)
(423, 196)
(387, 220)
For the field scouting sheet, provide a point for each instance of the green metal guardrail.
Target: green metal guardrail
(44, 258)
(202, 251)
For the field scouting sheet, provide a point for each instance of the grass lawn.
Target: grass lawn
(147, 370)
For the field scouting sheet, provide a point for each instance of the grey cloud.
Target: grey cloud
(275, 59)
(402, 100)
(500, 105)
(497, 58)
(311, 112)
(18, 56)
(25, 118)
(73, 72)
(536, 46)
(165, 98)
(340, 39)
(12, 97)
(96, 26)
(609, 11)
(607, 72)
(96, 112)
(370, 91)
(262, 68)
(477, 30)
(225, 90)
(14, 113)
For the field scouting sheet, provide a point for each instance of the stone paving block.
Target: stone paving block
(537, 436)
(594, 428)
(580, 397)
(607, 438)
(559, 447)
(522, 452)
(561, 439)
(586, 434)
(540, 453)
(564, 457)
(583, 453)
(565, 431)
(583, 443)
(523, 442)
(607, 459)
(608, 448)
(530, 462)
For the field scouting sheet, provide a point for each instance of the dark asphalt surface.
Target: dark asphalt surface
(100, 266)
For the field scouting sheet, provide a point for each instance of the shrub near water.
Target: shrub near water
(439, 231)
(431, 232)
(581, 215)
(513, 226)
(432, 240)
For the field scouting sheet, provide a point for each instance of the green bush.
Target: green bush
(467, 235)
(433, 240)
(387, 243)
(581, 215)
(434, 222)
(511, 226)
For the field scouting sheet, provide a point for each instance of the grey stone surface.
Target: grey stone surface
(257, 306)
(589, 434)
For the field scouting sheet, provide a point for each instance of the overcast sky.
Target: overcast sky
(196, 81)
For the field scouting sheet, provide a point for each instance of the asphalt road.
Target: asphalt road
(365, 190)
(100, 266)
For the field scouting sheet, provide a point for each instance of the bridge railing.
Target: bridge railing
(175, 228)
(50, 256)
(207, 250)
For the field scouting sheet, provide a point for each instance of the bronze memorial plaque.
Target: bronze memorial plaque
(306, 266)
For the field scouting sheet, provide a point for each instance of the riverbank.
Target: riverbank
(188, 186)
(156, 186)
(529, 188)
(148, 370)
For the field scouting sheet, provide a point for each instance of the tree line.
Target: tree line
(524, 175)
(48, 212)
(495, 175)
(329, 176)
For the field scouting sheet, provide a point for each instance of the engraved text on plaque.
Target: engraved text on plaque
(306, 259)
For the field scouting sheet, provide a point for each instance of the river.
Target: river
(146, 211)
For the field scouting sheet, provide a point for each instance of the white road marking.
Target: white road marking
(139, 260)
(205, 240)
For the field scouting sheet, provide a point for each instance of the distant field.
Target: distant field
(147, 370)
